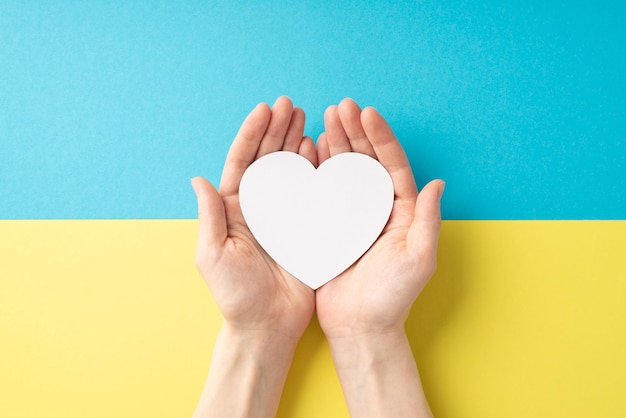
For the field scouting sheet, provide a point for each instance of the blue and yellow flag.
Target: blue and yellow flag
(108, 108)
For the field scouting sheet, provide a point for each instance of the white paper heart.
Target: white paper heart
(316, 223)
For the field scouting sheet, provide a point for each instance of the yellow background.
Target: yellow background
(110, 319)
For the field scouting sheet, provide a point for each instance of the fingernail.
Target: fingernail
(442, 188)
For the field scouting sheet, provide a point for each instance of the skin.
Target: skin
(265, 310)
(362, 311)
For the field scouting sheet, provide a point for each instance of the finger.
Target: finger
(277, 129)
(390, 153)
(293, 137)
(307, 150)
(323, 153)
(423, 235)
(350, 116)
(335, 135)
(212, 230)
(244, 148)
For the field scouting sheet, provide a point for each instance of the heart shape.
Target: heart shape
(316, 223)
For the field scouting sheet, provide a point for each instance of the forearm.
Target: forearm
(247, 375)
(379, 376)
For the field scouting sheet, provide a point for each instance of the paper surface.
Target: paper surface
(316, 223)
(122, 300)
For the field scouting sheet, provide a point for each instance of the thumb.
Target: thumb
(423, 235)
(212, 230)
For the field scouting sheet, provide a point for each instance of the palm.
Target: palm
(270, 294)
(369, 296)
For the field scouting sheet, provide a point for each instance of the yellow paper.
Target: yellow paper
(111, 319)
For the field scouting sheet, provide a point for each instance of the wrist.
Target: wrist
(283, 318)
(360, 334)
(353, 349)
(257, 342)
(378, 374)
(247, 373)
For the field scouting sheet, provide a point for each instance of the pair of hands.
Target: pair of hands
(373, 296)
(362, 312)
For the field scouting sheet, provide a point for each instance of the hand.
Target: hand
(265, 309)
(376, 293)
(250, 289)
(363, 310)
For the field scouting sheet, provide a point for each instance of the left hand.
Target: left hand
(253, 293)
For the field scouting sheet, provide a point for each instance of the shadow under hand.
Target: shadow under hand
(312, 387)
(434, 309)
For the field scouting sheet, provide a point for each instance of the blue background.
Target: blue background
(108, 108)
